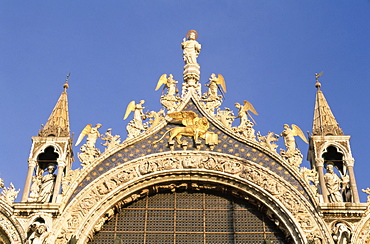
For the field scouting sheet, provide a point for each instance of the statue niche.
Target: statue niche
(43, 181)
(336, 176)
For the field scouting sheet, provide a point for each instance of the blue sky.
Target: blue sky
(268, 52)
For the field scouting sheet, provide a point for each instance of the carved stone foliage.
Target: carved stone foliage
(9, 194)
(226, 117)
(69, 178)
(367, 191)
(87, 155)
(10, 230)
(294, 158)
(85, 204)
(110, 140)
(268, 140)
(311, 177)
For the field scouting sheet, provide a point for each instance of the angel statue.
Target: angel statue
(92, 135)
(191, 48)
(214, 85)
(89, 152)
(245, 127)
(170, 99)
(135, 126)
(292, 153)
(169, 82)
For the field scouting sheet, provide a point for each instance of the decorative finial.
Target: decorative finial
(65, 86)
(318, 84)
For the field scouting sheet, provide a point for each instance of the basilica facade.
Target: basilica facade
(192, 172)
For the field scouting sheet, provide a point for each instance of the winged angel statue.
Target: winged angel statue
(194, 126)
(170, 99)
(292, 152)
(135, 126)
(213, 87)
(89, 152)
(245, 127)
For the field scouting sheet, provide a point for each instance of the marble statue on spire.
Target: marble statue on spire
(191, 48)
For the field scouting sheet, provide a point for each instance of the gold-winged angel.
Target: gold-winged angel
(92, 135)
(215, 83)
(139, 115)
(169, 83)
(288, 134)
(243, 112)
(194, 126)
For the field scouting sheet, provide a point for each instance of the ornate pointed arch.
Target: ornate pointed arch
(343, 149)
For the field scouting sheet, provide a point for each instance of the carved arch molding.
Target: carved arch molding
(9, 231)
(122, 185)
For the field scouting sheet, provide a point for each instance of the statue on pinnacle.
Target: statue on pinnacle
(191, 49)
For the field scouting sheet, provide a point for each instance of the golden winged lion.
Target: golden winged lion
(194, 126)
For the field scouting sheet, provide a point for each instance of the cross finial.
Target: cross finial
(65, 86)
(318, 84)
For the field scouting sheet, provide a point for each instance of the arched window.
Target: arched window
(189, 217)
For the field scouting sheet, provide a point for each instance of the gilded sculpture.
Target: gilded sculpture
(194, 126)
(92, 135)
(170, 84)
(245, 127)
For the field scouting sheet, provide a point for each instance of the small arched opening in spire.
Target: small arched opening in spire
(48, 157)
(334, 157)
(44, 180)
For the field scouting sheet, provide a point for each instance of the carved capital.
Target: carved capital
(350, 162)
(32, 162)
(61, 163)
(319, 162)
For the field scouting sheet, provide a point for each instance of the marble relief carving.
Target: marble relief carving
(244, 170)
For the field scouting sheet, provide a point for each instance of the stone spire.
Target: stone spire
(324, 122)
(58, 122)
